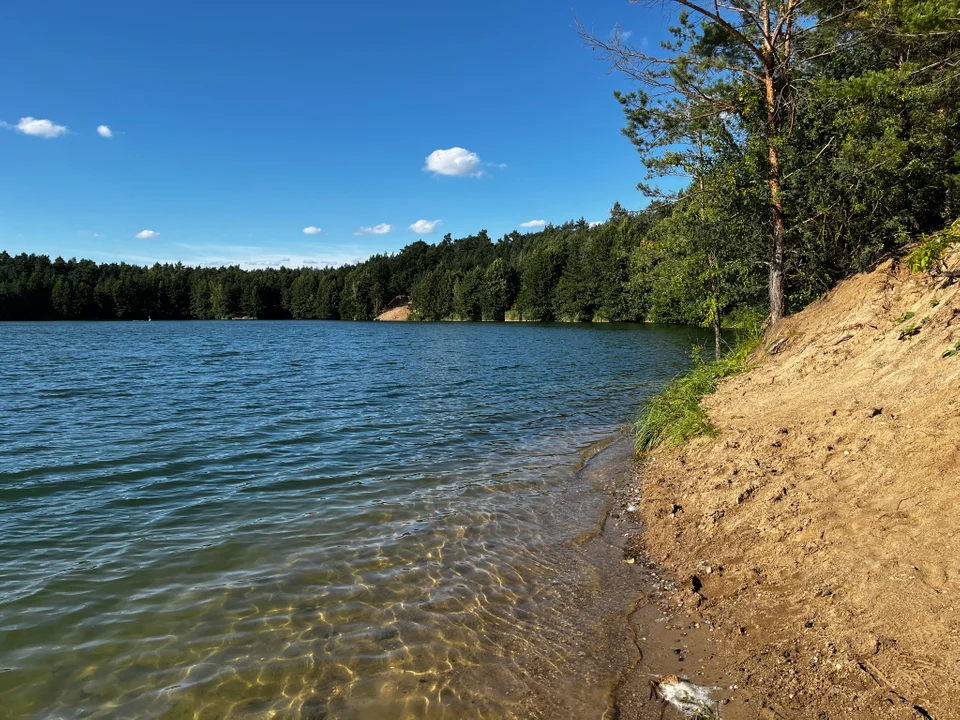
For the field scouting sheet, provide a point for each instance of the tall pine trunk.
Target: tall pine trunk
(777, 296)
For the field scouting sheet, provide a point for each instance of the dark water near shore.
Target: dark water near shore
(301, 520)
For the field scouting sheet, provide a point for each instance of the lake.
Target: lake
(304, 519)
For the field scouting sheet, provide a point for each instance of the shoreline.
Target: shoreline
(818, 530)
(664, 637)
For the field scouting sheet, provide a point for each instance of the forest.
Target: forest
(570, 272)
(786, 145)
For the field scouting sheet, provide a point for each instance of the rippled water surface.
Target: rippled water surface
(300, 520)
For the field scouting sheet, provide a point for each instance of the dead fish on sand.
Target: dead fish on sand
(693, 701)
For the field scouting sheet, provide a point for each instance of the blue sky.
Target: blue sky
(235, 126)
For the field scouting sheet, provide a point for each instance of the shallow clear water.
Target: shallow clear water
(299, 520)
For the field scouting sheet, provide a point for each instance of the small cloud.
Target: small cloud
(38, 128)
(147, 235)
(534, 224)
(598, 223)
(104, 131)
(381, 229)
(455, 162)
(425, 227)
(312, 230)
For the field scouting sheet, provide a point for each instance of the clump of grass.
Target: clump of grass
(675, 416)
(928, 257)
(906, 316)
(953, 352)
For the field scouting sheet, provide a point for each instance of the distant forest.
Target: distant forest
(571, 272)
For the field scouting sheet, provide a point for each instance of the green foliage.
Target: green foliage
(432, 297)
(906, 316)
(676, 415)
(928, 257)
(494, 298)
(952, 352)
(541, 273)
(848, 141)
(909, 331)
(468, 295)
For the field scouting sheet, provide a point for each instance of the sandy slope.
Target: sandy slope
(395, 314)
(824, 520)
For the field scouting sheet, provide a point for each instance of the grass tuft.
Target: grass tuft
(928, 256)
(675, 416)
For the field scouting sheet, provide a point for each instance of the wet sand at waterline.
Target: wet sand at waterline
(305, 520)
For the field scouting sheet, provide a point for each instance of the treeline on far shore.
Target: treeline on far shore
(570, 272)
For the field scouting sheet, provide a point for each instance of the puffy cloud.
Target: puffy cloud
(534, 224)
(312, 230)
(147, 235)
(425, 227)
(37, 128)
(381, 229)
(104, 131)
(598, 223)
(455, 162)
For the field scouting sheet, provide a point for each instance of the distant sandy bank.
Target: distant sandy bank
(397, 312)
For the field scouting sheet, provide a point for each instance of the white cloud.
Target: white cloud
(312, 230)
(104, 131)
(425, 227)
(455, 162)
(147, 235)
(534, 224)
(598, 223)
(37, 128)
(381, 229)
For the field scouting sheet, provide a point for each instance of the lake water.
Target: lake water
(303, 520)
